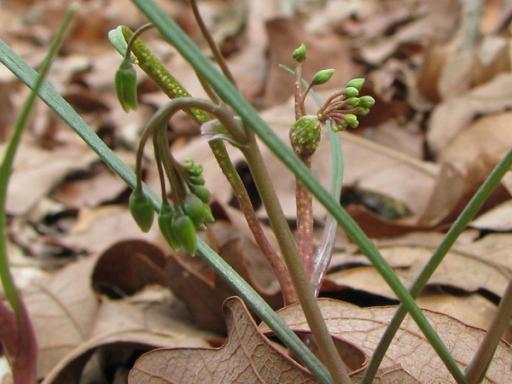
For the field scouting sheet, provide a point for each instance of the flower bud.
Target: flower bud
(200, 191)
(322, 76)
(342, 126)
(351, 120)
(305, 135)
(197, 210)
(165, 222)
(299, 54)
(353, 101)
(126, 86)
(141, 210)
(351, 92)
(367, 101)
(362, 111)
(195, 179)
(185, 232)
(356, 83)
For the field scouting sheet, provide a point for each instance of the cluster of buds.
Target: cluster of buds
(342, 109)
(180, 222)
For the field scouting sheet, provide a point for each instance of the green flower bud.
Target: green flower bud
(141, 210)
(299, 54)
(367, 101)
(356, 83)
(126, 86)
(353, 101)
(322, 77)
(351, 120)
(195, 170)
(305, 135)
(185, 232)
(362, 111)
(351, 92)
(342, 126)
(165, 222)
(197, 210)
(195, 179)
(200, 191)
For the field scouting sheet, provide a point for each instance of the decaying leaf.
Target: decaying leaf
(365, 326)
(247, 357)
(129, 327)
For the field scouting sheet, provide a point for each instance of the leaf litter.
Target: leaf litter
(95, 285)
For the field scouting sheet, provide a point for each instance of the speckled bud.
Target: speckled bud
(305, 135)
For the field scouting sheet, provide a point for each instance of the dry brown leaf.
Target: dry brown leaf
(89, 187)
(365, 326)
(463, 269)
(36, 171)
(451, 117)
(497, 219)
(62, 310)
(146, 321)
(480, 146)
(98, 228)
(247, 357)
(128, 266)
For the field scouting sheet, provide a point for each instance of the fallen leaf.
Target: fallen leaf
(245, 358)
(128, 266)
(133, 325)
(497, 219)
(62, 310)
(364, 328)
(42, 170)
(452, 116)
(462, 268)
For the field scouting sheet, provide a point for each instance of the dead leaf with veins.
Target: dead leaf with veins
(364, 327)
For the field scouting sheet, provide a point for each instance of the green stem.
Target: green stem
(279, 224)
(303, 198)
(475, 372)
(9, 287)
(449, 239)
(187, 48)
(211, 43)
(48, 94)
(159, 166)
(173, 89)
(300, 279)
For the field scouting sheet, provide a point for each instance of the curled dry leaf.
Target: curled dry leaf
(41, 170)
(247, 357)
(146, 321)
(464, 268)
(128, 266)
(365, 326)
(62, 310)
(451, 117)
(498, 219)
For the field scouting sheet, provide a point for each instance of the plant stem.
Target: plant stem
(303, 198)
(449, 239)
(173, 89)
(26, 74)
(475, 372)
(300, 279)
(279, 224)
(174, 35)
(211, 43)
(159, 166)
